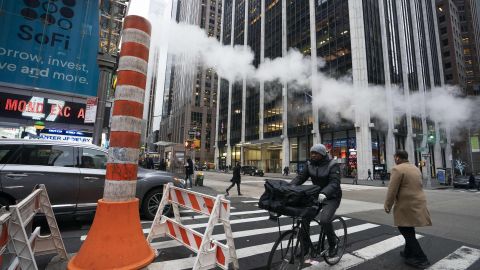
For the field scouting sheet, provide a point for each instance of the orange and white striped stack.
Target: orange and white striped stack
(115, 239)
(127, 112)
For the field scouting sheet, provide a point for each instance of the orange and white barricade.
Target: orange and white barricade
(4, 218)
(210, 253)
(16, 234)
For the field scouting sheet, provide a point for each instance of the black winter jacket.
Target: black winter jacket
(236, 175)
(326, 174)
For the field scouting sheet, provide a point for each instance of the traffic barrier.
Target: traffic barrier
(210, 253)
(16, 234)
(4, 218)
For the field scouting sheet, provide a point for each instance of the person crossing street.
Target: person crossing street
(235, 179)
(405, 194)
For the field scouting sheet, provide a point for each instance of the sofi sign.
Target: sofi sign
(51, 44)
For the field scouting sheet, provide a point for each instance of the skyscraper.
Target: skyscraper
(190, 98)
(393, 44)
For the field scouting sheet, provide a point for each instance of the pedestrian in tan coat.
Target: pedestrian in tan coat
(405, 194)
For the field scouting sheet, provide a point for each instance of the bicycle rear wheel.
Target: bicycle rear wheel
(287, 252)
(340, 228)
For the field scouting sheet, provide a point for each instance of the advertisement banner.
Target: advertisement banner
(50, 44)
(91, 112)
(41, 108)
(66, 135)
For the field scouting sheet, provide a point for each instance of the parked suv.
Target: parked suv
(74, 175)
(252, 170)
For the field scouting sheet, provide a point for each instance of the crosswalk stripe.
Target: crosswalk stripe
(243, 252)
(364, 254)
(256, 201)
(379, 248)
(462, 258)
(221, 236)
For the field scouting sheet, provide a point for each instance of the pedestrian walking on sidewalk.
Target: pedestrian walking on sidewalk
(355, 177)
(286, 170)
(471, 181)
(189, 172)
(369, 175)
(235, 179)
(405, 194)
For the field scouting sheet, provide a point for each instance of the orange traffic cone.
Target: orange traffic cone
(116, 240)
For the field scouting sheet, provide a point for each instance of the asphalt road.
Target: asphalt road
(455, 213)
(454, 239)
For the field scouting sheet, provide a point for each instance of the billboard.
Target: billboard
(41, 108)
(50, 44)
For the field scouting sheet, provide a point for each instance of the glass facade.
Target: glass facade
(273, 108)
(393, 42)
(299, 111)
(433, 41)
(223, 114)
(333, 37)
(252, 114)
(411, 64)
(402, 20)
(237, 89)
(373, 42)
(227, 22)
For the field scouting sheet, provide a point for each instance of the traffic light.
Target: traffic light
(189, 144)
(196, 144)
(431, 137)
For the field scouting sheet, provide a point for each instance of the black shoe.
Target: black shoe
(333, 249)
(417, 263)
(226, 192)
(240, 194)
(403, 255)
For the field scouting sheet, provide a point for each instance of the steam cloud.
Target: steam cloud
(336, 98)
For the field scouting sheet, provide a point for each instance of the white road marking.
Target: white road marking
(241, 253)
(462, 258)
(364, 254)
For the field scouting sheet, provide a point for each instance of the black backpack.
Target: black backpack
(290, 200)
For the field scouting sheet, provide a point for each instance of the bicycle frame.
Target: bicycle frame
(317, 250)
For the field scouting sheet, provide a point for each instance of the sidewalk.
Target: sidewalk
(348, 180)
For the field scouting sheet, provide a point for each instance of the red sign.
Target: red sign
(40, 108)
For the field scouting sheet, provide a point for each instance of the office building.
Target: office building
(392, 44)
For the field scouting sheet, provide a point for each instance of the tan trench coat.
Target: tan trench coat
(405, 194)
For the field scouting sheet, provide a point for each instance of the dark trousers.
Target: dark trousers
(412, 247)
(233, 184)
(325, 217)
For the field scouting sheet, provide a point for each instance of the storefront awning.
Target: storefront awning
(275, 140)
(164, 143)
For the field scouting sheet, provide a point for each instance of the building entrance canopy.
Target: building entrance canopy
(275, 140)
(164, 143)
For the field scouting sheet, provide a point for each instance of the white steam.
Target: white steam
(336, 98)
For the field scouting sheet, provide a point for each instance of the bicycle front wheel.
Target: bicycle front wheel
(287, 252)
(340, 229)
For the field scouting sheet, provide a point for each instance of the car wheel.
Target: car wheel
(151, 202)
(251, 174)
(4, 201)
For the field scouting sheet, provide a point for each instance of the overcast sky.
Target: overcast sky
(158, 12)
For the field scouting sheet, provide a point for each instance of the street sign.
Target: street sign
(426, 155)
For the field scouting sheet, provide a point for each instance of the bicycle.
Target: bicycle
(289, 250)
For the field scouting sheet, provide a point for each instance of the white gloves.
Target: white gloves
(321, 197)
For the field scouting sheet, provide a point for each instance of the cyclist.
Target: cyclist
(324, 172)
